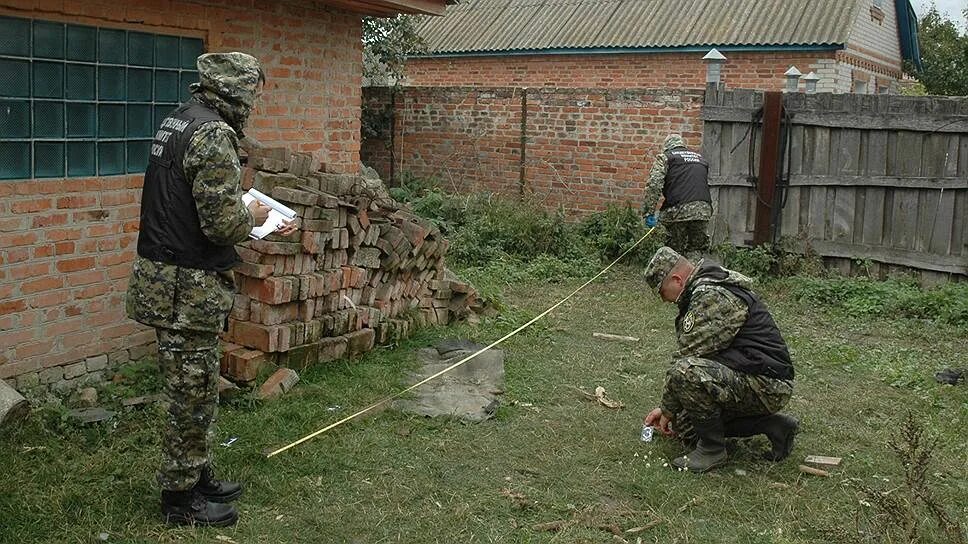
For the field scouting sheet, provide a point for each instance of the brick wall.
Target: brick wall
(585, 148)
(66, 244)
(743, 70)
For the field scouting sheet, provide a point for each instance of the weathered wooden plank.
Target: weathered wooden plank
(963, 157)
(959, 227)
(892, 158)
(726, 145)
(909, 153)
(849, 152)
(943, 223)
(828, 218)
(821, 151)
(904, 218)
(873, 233)
(935, 155)
(950, 169)
(751, 198)
(860, 205)
(712, 146)
(804, 180)
(790, 215)
(737, 210)
(816, 219)
(927, 218)
(877, 152)
(894, 256)
(834, 156)
(796, 150)
(842, 220)
(739, 158)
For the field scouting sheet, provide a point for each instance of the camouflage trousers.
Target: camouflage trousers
(189, 363)
(688, 238)
(700, 389)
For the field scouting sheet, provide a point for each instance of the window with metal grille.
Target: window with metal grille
(83, 101)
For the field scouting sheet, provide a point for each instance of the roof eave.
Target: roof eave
(389, 8)
(628, 50)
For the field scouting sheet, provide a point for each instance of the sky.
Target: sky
(951, 8)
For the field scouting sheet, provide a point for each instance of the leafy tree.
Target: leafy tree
(944, 55)
(387, 43)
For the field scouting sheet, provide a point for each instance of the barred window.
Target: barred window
(83, 101)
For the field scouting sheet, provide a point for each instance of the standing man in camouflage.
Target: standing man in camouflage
(191, 217)
(678, 187)
(733, 372)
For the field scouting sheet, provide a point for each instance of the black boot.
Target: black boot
(780, 429)
(190, 508)
(216, 490)
(710, 450)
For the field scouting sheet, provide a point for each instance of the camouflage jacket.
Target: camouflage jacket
(169, 296)
(714, 315)
(688, 211)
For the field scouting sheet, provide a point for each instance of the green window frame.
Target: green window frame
(83, 101)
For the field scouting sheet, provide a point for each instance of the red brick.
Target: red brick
(243, 365)
(82, 201)
(18, 239)
(31, 206)
(29, 270)
(41, 284)
(76, 264)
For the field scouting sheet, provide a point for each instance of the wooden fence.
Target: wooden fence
(873, 178)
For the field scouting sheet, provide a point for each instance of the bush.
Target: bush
(901, 298)
(612, 232)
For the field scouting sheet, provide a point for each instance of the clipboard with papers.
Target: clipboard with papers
(279, 214)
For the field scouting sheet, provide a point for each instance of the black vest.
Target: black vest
(685, 179)
(758, 347)
(170, 229)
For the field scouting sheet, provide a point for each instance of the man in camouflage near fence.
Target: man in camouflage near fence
(181, 284)
(679, 189)
(732, 373)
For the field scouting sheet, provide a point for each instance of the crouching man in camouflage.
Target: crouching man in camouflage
(191, 217)
(733, 372)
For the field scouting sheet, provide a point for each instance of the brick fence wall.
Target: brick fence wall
(584, 148)
(743, 70)
(66, 245)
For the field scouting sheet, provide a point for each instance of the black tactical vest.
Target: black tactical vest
(170, 229)
(685, 179)
(758, 347)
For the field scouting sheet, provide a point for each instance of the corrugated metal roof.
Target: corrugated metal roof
(489, 26)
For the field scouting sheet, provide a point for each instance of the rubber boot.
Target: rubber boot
(216, 490)
(780, 429)
(710, 450)
(190, 508)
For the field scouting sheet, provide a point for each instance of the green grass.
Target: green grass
(548, 456)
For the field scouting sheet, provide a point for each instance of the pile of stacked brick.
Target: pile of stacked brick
(362, 270)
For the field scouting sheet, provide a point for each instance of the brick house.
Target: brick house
(83, 85)
(852, 45)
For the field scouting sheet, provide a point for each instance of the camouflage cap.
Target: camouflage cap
(662, 263)
(673, 141)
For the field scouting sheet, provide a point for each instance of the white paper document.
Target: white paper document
(279, 214)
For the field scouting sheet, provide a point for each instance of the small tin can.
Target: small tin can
(646, 433)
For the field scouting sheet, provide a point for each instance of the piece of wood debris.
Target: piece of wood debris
(815, 471)
(616, 337)
(645, 527)
(823, 460)
(779, 485)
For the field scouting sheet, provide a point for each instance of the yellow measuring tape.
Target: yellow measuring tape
(465, 359)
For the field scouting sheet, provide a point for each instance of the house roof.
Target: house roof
(508, 26)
